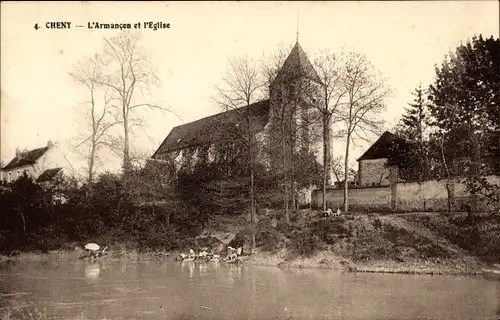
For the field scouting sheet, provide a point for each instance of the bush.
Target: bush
(305, 242)
(239, 239)
(210, 242)
(330, 229)
(269, 239)
(159, 237)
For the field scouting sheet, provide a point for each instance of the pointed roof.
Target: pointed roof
(382, 147)
(296, 65)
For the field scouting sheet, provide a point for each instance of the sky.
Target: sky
(40, 101)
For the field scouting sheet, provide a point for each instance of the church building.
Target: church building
(285, 122)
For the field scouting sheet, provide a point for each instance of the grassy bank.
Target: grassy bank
(411, 243)
(378, 243)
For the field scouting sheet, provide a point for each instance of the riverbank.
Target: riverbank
(328, 260)
(321, 260)
(407, 244)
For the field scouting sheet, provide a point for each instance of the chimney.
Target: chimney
(18, 151)
(50, 144)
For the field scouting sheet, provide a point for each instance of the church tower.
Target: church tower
(293, 94)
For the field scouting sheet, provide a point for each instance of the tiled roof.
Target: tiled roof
(213, 128)
(48, 174)
(382, 147)
(297, 64)
(26, 158)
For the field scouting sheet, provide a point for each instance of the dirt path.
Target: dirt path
(399, 222)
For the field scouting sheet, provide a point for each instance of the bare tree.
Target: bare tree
(337, 165)
(332, 91)
(130, 76)
(365, 99)
(241, 87)
(293, 93)
(100, 120)
(271, 65)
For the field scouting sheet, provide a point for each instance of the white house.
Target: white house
(42, 164)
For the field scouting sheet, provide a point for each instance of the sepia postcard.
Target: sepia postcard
(250, 160)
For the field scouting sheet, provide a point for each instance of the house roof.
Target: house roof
(213, 128)
(382, 147)
(26, 158)
(48, 174)
(297, 64)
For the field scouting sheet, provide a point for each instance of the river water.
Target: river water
(188, 290)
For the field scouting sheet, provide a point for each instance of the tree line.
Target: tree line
(452, 125)
(452, 128)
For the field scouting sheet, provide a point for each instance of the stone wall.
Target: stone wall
(428, 195)
(360, 198)
(374, 172)
(432, 195)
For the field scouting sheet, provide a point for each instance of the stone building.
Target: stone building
(374, 166)
(292, 95)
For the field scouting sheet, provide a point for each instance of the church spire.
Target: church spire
(297, 25)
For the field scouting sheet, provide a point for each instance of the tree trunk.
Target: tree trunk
(326, 157)
(285, 182)
(91, 164)
(293, 189)
(476, 165)
(448, 176)
(24, 220)
(346, 171)
(448, 193)
(252, 208)
(126, 144)
(252, 182)
(285, 167)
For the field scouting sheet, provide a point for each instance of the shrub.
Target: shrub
(330, 229)
(159, 237)
(239, 239)
(305, 241)
(208, 241)
(269, 239)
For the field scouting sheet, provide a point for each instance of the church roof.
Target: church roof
(297, 64)
(213, 128)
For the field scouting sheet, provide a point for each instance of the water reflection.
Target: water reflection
(203, 268)
(92, 271)
(189, 266)
(226, 291)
